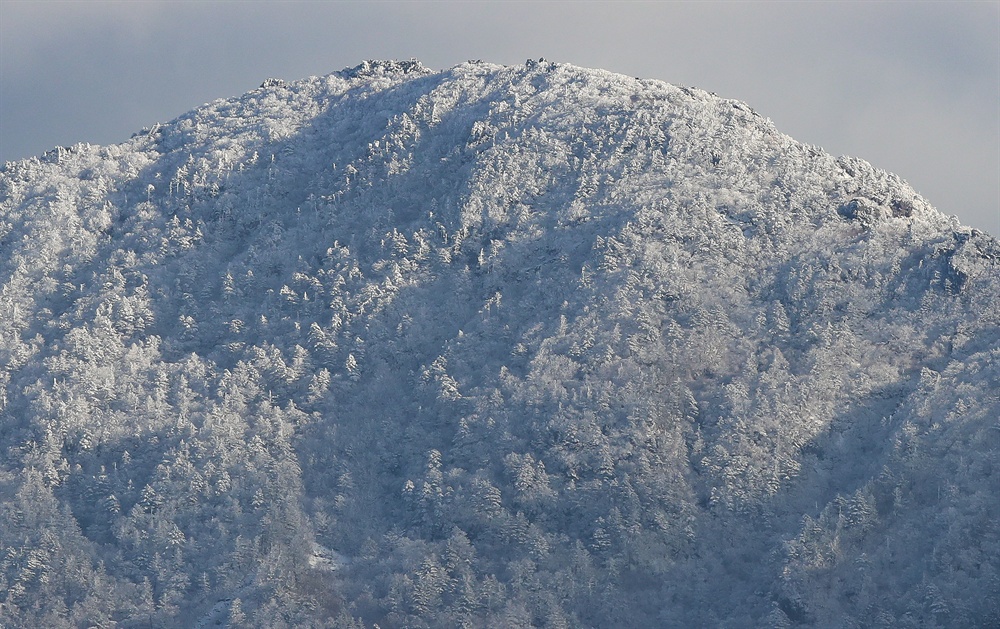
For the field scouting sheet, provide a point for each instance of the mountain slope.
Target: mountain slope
(505, 346)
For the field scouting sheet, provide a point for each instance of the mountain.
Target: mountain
(493, 346)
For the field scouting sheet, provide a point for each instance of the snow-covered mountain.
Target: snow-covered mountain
(493, 346)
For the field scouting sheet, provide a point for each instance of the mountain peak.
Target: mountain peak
(375, 68)
(490, 346)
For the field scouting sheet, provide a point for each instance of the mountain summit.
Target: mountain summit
(491, 347)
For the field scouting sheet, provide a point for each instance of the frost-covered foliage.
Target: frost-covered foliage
(494, 346)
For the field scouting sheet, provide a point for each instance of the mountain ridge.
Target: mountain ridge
(523, 346)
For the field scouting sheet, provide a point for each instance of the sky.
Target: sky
(912, 87)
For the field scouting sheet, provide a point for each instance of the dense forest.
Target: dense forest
(528, 346)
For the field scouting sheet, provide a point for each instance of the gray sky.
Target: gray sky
(912, 87)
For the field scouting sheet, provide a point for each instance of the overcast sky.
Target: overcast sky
(913, 88)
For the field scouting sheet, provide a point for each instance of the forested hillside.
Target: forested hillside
(491, 347)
